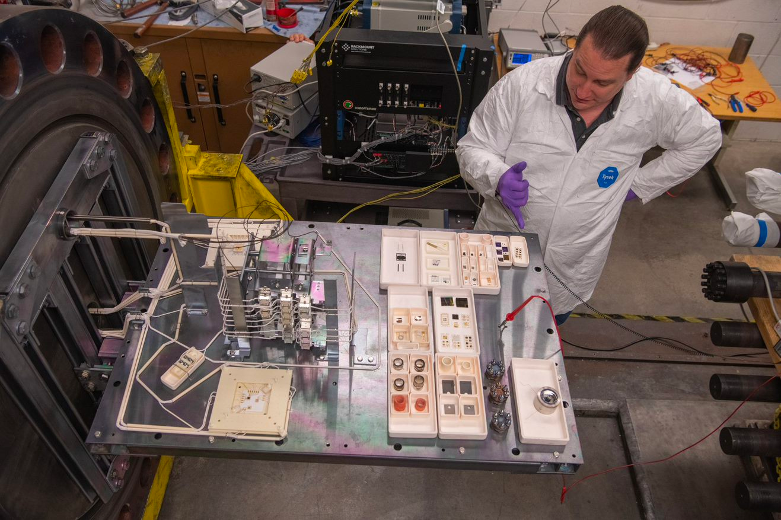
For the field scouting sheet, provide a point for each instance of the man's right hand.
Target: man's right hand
(298, 38)
(514, 191)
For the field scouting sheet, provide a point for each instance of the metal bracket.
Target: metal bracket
(93, 379)
(31, 268)
(116, 473)
(26, 278)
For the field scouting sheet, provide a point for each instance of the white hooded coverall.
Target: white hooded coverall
(575, 197)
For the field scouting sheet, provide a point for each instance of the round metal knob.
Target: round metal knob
(501, 421)
(498, 393)
(494, 370)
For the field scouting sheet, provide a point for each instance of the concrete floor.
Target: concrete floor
(657, 256)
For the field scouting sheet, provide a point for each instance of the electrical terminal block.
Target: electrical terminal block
(286, 314)
(184, 366)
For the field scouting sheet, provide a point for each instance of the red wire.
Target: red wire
(511, 316)
(758, 98)
(683, 185)
(565, 489)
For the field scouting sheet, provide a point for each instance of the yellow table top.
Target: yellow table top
(752, 80)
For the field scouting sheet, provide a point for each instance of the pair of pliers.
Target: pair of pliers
(736, 105)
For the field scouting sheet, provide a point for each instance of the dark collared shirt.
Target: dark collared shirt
(579, 129)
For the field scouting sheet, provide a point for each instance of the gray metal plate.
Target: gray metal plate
(340, 415)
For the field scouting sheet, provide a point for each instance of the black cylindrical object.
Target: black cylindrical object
(736, 282)
(759, 496)
(736, 334)
(732, 387)
(740, 48)
(750, 441)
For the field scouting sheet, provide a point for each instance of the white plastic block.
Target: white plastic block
(399, 257)
(455, 326)
(519, 251)
(181, 370)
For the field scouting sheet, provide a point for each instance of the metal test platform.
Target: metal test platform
(340, 412)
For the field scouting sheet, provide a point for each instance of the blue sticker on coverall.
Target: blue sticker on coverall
(607, 177)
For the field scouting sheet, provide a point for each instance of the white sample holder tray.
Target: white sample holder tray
(409, 319)
(438, 259)
(412, 409)
(460, 404)
(478, 266)
(455, 324)
(537, 424)
(399, 263)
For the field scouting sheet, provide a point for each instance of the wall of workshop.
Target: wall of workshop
(713, 23)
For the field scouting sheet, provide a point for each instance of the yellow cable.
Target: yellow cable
(333, 43)
(300, 74)
(426, 190)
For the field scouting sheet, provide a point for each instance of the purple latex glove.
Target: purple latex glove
(630, 195)
(514, 191)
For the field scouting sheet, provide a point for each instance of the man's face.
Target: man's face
(592, 80)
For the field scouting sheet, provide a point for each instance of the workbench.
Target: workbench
(340, 411)
(761, 308)
(203, 68)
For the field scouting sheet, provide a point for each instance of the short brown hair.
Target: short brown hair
(617, 32)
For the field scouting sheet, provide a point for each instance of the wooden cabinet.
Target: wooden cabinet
(202, 68)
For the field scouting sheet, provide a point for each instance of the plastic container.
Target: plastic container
(399, 263)
(461, 410)
(538, 422)
(478, 265)
(438, 259)
(455, 325)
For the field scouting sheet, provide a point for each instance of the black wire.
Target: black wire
(614, 322)
(547, 12)
(743, 310)
(655, 339)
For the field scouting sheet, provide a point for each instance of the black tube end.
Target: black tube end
(758, 496)
(715, 386)
(731, 282)
(742, 495)
(725, 441)
(716, 334)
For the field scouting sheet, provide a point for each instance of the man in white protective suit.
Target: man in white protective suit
(555, 148)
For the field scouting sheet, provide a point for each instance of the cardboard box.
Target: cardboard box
(243, 14)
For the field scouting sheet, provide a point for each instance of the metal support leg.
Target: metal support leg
(725, 192)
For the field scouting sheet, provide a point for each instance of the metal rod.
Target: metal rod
(736, 334)
(107, 218)
(759, 496)
(758, 442)
(733, 387)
